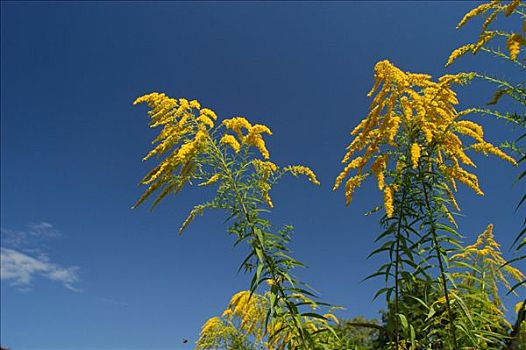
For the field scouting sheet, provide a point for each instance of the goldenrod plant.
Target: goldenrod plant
(481, 274)
(243, 326)
(489, 41)
(440, 293)
(416, 144)
(490, 11)
(193, 148)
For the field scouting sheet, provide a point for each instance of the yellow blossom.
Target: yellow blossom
(255, 139)
(484, 38)
(303, 170)
(227, 313)
(487, 147)
(212, 323)
(511, 7)
(195, 104)
(519, 306)
(450, 217)
(451, 197)
(237, 124)
(491, 267)
(378, 168)
(403, 103)
(209, 113)
(514, 43)
(182, 138)
(266, 168)
(212, 180)
(332, 317)
(265, 188)
(231, 141)
(415, 154)
(351, 185)
(355, 163)
(205, 120)
(478, 133)
(250, 308)
(388, 201)
(475, 12)
(253, 135)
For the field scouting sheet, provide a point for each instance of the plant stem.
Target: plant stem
(438, 252)
(275, 275)
(397, 264)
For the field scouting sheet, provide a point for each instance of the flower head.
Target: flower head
(411, 115)
(252, 136)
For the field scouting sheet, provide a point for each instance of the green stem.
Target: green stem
(397, 264)
(438, 252)
(275, 274)
(502, 55)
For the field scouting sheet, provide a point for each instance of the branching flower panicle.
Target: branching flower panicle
(486, 251)
(413, 108)
(252, 137)
(296, 170)
(245, 318)
(514, 40)
(182, 138)
(192, 147)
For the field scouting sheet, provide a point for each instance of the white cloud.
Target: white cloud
(34, 234)
(22, 258)
(21, 269)
(43, 230)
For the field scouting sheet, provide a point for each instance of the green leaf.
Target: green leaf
(403, 320)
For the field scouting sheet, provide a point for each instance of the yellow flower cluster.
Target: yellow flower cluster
(388, 201)
(253, 136)
(378, 168)
(409, 106)
(487, 252)
(183, 136)
(415, 154)
(520, 305)
(451, 197)
(212, 180)
(231, 141)
(491, 9)
(251, 311)
(214, 332)
(302, 170)
(265, 169)
(212, 325)
(515, 42)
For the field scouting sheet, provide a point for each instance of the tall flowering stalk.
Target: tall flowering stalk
(416, 145)
(480, 271)
(232, 157)
(489, 41)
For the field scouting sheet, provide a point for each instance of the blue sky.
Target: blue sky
(90, 273)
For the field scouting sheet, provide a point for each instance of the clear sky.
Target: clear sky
(86, 271)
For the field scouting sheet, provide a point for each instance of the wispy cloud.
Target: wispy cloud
(34, 235)
(21, 269)
(23, 259)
